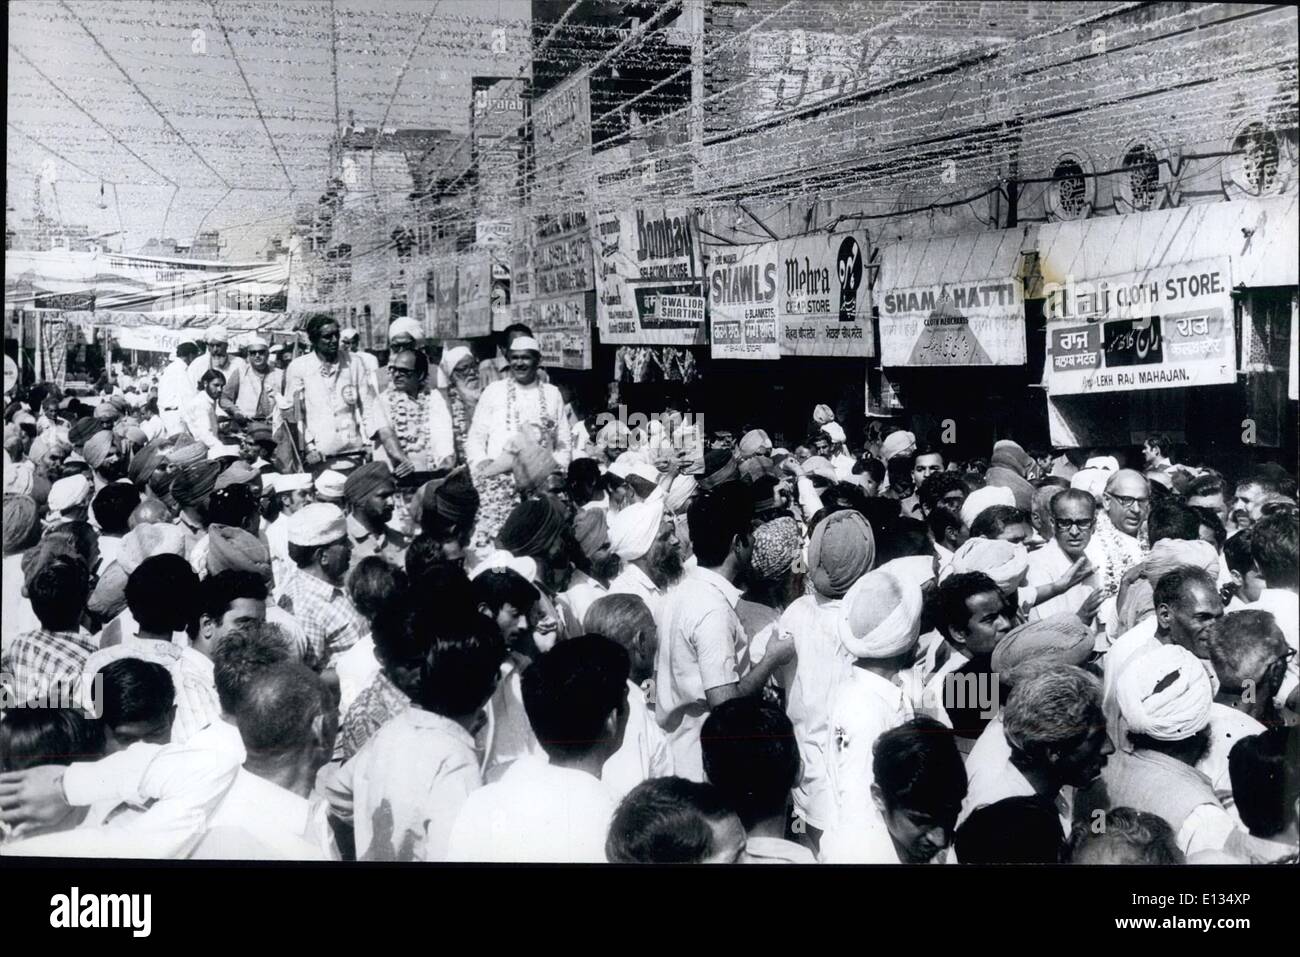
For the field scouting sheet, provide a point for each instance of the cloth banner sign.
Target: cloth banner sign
(441, 300)
(649, 277)
(474, 295)
(743, 297)
(1167, 327)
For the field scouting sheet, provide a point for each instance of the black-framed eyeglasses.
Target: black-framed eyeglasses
(258, 352)
(1128, 501)
(397, 371)
(1083, 524)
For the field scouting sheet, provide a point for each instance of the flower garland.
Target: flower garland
(410, 420)
(548, 422)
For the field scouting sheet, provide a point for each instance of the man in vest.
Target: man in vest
(1165, 699)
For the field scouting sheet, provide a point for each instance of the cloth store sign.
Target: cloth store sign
(1166, 327)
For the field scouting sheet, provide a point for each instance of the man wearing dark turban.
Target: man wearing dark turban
(369, 493)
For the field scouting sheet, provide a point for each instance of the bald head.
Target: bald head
(149, 511)
(1127, 500)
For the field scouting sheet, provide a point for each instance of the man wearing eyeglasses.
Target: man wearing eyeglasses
(1074, 516)
(251, 390)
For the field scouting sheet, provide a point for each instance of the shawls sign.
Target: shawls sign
(1164, 328)
(649, 277)
(822, 304)
(743, 302)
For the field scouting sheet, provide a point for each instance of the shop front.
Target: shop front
(955, 355)
(1176, 322)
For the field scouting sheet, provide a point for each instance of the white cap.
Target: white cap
(329, 485)
(640, 469)
(254, 341)
(349, 333)
(405, 326)
(292, 482)
(500, 560)
(217, 334)
(223, 452)
(525, 344)
(317, 524)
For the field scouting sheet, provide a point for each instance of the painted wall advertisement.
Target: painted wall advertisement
(441, 300)
(743, 302)
(649, 277)
(1164, 328)
(822, 306)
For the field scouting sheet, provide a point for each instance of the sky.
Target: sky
(164, 118)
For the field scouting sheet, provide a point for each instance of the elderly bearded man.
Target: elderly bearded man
(217, 357)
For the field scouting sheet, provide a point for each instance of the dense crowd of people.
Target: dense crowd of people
(308, 608)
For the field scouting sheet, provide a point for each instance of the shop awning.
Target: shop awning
(1259, 237)
(952, 301)
(1144, 301)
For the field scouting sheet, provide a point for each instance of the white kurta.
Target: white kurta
(494, 423)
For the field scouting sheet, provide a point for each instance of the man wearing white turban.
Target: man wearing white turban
(1005, 562)
(647, 542)
(879, 621)
(217, 357)
(1165, 699)
(983, 498)
(1187, 604)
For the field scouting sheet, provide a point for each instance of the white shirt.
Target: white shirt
(493, 426)
(1227, 727)
(403, 789)
(174, 387)
(581, 594)
(867, 843)
(537, 813)
(174, 790)
(863, 707)
(644, 753)
(340, 403)
(820, 664)
(1046, 565)
(633, 581)
(991, 777)
(289, 826)
(699, 637)
(1285, 608)
(356, 668)
(200, 415)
